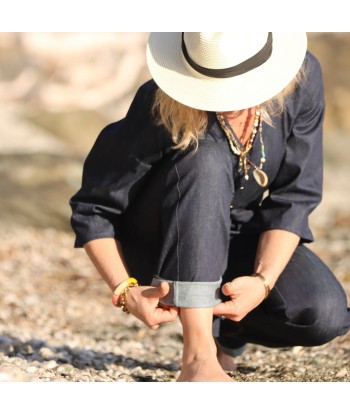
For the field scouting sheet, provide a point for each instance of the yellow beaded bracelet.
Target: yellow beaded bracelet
(264, 281)
(121, 291)
(122, 298)
(121, 287)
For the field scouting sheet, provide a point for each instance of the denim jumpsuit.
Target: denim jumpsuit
(192, 219)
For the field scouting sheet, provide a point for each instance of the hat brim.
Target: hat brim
(180, 81)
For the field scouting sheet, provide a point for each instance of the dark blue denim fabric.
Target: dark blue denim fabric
(181, 219)
(307, 306)
(129, 152)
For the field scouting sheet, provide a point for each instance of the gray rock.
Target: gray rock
(37, 357)
(5, 341)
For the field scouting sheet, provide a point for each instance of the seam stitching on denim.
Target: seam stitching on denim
(178, 232)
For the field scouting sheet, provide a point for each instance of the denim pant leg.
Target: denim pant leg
(307, 306)
(196, 225)
(178, 229)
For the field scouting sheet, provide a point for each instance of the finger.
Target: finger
(157, 292)
(165, 316)
(228, 288)
(155, 327)
(114, 300)
(167, 307)
(228, 307)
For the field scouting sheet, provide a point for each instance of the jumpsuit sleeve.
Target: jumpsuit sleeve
(297, 188)
(115, 168)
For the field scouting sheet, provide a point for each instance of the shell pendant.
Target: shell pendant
(260, 177)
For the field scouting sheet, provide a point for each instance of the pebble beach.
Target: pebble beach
(57, 324)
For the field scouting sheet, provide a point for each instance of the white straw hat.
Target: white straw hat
(224, 71)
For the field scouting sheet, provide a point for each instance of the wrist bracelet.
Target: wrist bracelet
(122, 298)
(121, 291)
(120, 287)
(264, 281)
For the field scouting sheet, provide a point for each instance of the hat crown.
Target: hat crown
(220, 50)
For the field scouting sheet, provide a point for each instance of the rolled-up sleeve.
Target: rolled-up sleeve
(297, 188)
(115, 169)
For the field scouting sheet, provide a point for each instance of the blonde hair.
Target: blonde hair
(187, 125)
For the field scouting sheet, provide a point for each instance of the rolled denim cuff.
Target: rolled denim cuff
(231, 352)
(190, 294)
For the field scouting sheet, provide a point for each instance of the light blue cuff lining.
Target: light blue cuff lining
(188, 294)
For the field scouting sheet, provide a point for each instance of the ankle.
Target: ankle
(202, 354)
(200, 348)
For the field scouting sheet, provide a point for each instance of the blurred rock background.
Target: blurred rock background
(57, 91)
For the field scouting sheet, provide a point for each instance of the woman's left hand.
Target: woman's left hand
(246, 293)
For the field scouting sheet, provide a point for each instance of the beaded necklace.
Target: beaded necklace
(242, 151)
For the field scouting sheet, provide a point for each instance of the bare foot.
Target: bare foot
(227, 362)
(203, 370)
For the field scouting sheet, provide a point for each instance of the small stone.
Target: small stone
(58, 379)
(167, 352)
(17, 361)
(140, 334)
(37, 357)
(9, 348)
(174, 367)
(63, 360)
(97, 378)
(84, 378)
(342, 372)
(98, 364)
(36, 343)
(5, 341)
(297, 349)
(44, 373)
(87, 354)
(51, 364)
(28, 349)
(65, 369)
(31, 369)
(36, 363)
(47, 353)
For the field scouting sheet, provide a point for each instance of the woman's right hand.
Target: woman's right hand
(143, 302)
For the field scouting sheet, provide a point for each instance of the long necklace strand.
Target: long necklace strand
(242, 150)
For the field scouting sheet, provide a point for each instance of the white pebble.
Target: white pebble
(31, 369)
